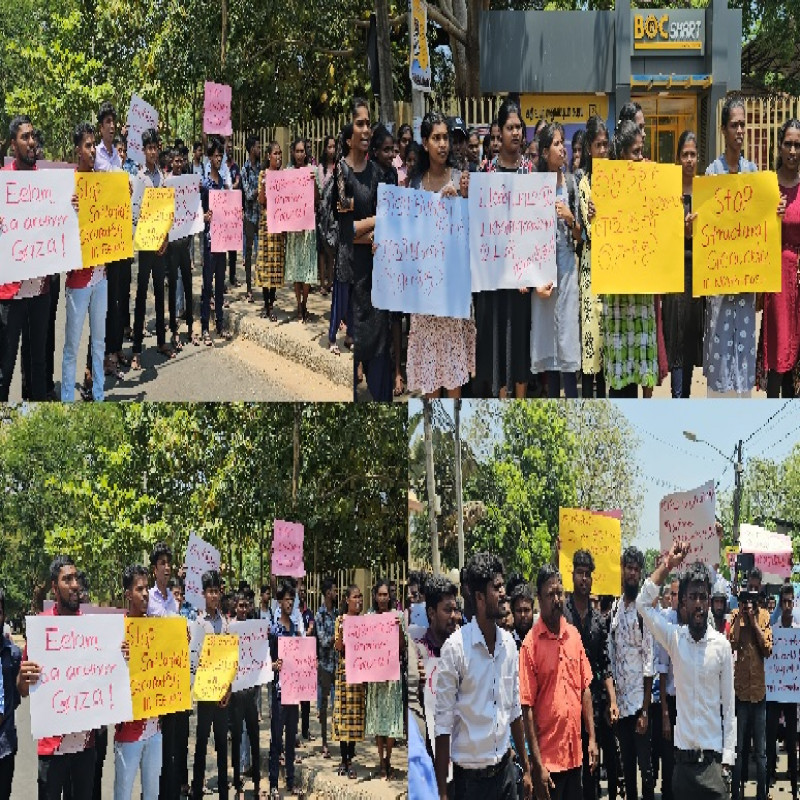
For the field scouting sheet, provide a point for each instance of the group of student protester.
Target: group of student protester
(666, 679)
(158, 748)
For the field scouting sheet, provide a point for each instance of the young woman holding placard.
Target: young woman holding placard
(555, 336)
(271, 256)
(591, 307)
(441, 350)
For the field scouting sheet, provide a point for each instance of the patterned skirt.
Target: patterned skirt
(271, 256)
(348, 707)
(591, 314)
(301, 257)
(385, 709)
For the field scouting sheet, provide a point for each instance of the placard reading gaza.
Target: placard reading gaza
(159, 665)
(372, 648)
(637, 231)
(601, 534)
(104, 216)
(85, 683)
(422, 256)
(736, 245)
(39, 233)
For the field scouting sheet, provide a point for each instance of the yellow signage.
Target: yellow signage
(563, 108)
(158, 664)
(637, 232)
(601, 535)
(219, 662)
(155, 218)
(737, 234)
(104, 217)
(673, 30)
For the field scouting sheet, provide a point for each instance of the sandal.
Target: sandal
(351, 773)
(195, 340)
(334, 348)
(86, 393)
(264, 313)
(348, 342)
(388, 771)
(207, 340)
(226, 335)
(304, 310)
(342, 771)
(399, 386)
(325, 752)
(111, 368)
(166, 351)
(273, 317)
(176, 342)
(250, 297)
(136, 362)
(122, 359)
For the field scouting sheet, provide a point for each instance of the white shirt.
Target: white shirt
(159, 605)
(477, 696)
(631, 653)
(663, 663)
(703, 681)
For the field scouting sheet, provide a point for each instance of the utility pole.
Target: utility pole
(738, 470)
(459, 497)
(431, 483)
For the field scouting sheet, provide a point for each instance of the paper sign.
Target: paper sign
(372, 648)
(226, 220)
(255, 664)
(217, 109)
(298, 675)
(287, 549)
(85, 682)
(690, 516)
(197, 633)
(219, 661)
(782, 668)
(637, 232)
(200, 558)
(39, 233)
(155, 218)
(104, 216)
(737, 234)
(43, 163)
(188, 206)
(141, 117)
(772, 551)
(422, 257)
(600, 534)
(512, 230)
(159, 665)
(290, 200)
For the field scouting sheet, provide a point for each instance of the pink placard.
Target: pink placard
(217, 109)
(290, 200)
(779, 564)
(226, 220)
(287, 549)
(298, 674)
(372, 648)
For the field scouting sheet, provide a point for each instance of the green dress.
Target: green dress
(301, 256)
(385, 703)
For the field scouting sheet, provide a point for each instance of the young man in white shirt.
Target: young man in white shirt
(704, 738)
(477, 697)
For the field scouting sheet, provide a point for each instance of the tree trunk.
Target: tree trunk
(223, 35)
(458, 10)
(474, 8)
(457, 479)
(386, 88)
(431, 482)
(296, 455)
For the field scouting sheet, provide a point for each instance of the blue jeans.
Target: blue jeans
(127, 758)
(754, 716)
(93, 300)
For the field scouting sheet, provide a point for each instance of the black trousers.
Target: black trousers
(702, 781)
(213, 280)
(499, 787)
(71, 769)
(250, 234)
(567, 785)
(173, 753)
(50, 352)
(210, 714)
(245, 709)
(232, 265)
(668, 750)
(149, 263)
(25, 319)
(6, 776)
(118, 316)
(178, 259)
(305, 716)
(790, 716)
(635, 750)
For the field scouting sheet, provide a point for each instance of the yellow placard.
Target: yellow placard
(155, 218)
(601, 535)
(563, 108)
(104, 217)
(736, 246)
(637, 231)
(219, 661)
(159, 665)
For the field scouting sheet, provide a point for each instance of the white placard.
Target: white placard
(39, 235)
(782, 668)
(255, 664)
(141, 117)
(690, 516)
(200, 558)
(85, 682)
(755, 539)
(188, 206)
(512, 230)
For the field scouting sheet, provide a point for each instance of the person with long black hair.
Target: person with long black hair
(503, 317)
(683, 314)
(404, 138)
(271, 255)
(325, 254)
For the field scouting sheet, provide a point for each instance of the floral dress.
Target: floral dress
(385, 703)
(591, 307)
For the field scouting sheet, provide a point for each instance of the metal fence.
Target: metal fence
(363, 578)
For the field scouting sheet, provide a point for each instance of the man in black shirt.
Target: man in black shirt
(522, 609)
(578, 611)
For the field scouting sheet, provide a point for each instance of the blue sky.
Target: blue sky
(669, 462)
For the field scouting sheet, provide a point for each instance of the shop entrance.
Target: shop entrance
(666, 117)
